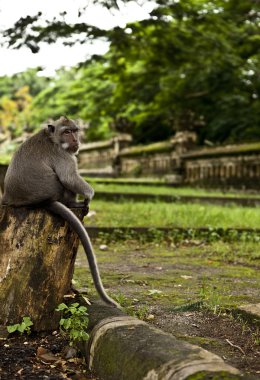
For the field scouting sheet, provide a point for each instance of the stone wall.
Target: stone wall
(178, 160)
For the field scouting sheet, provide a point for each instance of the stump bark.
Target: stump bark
(37, 255)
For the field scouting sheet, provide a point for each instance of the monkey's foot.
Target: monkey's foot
(83, 205)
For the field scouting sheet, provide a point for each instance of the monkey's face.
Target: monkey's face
(70, 139)
(65, 133)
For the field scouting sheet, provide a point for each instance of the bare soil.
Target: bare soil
(40, 356)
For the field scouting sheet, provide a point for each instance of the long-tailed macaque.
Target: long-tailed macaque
(44, 171)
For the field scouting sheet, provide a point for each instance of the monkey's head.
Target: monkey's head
(65, 133)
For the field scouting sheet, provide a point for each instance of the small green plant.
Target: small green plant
(141, 312)
(122, 300)
(74, 322)
(256, 336)
(23, 327)
(211, 298)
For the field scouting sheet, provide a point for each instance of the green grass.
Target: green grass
(159, 214)
(118, 186)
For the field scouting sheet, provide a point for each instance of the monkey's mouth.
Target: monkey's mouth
(74, 148)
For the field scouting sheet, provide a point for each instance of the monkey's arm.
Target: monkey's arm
(71, 180)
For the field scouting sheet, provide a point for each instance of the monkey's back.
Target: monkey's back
(31, 176)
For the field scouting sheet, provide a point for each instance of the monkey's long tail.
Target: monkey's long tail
(67, 214)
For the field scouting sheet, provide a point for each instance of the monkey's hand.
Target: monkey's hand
(89, 193)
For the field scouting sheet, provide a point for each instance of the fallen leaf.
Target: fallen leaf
(103, 247)
(20, 371)
(41, 350)
(86, 300)
(153, 292)
(46, 356)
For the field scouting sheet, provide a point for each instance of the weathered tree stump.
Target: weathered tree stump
(37, 255)
(3, 169)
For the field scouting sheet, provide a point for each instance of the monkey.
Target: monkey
(43, 171)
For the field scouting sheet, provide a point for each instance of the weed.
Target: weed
(141, 312)
(211, 298)
(122, 300)
(74, 322)
(23, 327)
(256, 337)
(187, 307)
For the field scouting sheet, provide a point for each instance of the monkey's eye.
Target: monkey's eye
(67, 131)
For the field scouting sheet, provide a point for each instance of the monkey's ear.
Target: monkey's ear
(51, 128)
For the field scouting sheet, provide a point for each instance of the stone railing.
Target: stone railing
(234, 165)
(115, 157)
(178, 160)
(101, 158)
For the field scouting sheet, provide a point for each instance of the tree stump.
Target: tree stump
(37, 255)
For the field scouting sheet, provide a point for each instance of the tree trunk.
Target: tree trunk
(37, 255)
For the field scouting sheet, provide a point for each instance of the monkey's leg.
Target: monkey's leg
(67, 214)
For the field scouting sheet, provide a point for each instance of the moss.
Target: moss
(160, 147)
(224, 150)
(221, 375)
(186, 274)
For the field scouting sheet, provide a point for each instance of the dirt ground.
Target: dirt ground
(41, 356)
(185, 290)
(221, 334)
(21, 358)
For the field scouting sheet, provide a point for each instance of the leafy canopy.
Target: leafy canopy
(194, 64)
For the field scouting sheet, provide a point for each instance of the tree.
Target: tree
(15, 113)
(194, 64)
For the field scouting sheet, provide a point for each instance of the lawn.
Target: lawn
(159, 214)
(118, 186)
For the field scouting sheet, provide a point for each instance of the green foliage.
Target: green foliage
(194, 64)
(81, 94)
(9, 85)
(178, 235)
(74, 322)
(23, 327)
(16, 94)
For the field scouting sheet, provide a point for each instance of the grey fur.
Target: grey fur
(41, 171)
